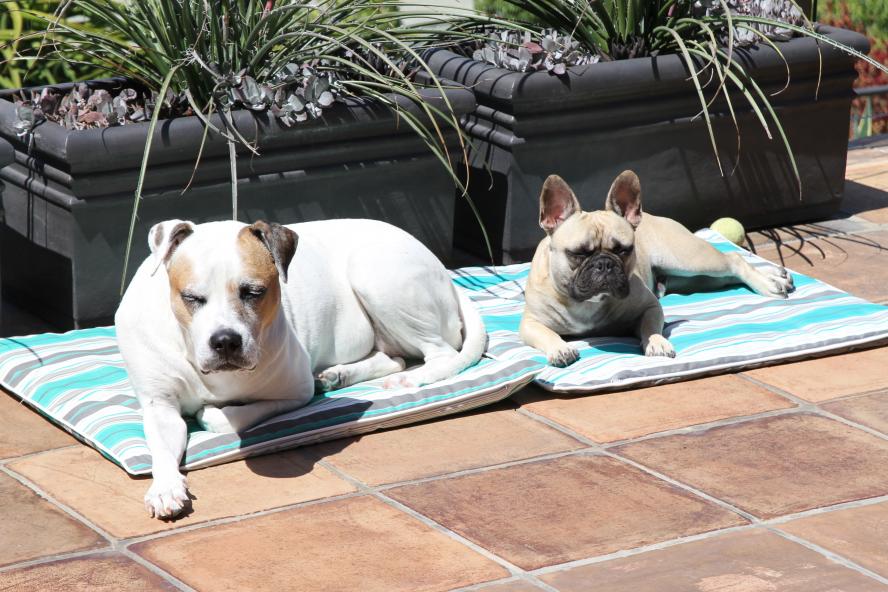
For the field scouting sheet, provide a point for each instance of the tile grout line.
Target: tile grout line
(473, 471)
(772, 523)
(31, 455)
(122, 545)
(686, 487)
(56, 557)
(802, 403)
(832, 556)
(114, 544)
(513, 569)
(851, 423)
(508, 565)
(816, 409)
(623, 553)
(663, 477)
(703, 427)
(484, 585)
(559, 427)
(224, 520)
(861, 503)
(157, 570)
(112, 540)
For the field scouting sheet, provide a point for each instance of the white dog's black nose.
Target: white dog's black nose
(226, 342)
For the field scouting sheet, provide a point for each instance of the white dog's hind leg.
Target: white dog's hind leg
(165, 434)
(373, 366)
(440, 360)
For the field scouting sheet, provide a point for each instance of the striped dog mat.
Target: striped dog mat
(78, 381)
(711, 332)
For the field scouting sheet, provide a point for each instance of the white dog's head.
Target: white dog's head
(224, 286)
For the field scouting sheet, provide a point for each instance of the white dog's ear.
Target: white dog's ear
(165, 237)
(279, 240)
(624, 197)
(557, 203)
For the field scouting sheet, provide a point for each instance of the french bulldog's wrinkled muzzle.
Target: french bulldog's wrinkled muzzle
(603, 273)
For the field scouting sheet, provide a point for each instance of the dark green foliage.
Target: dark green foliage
(505, 10)
(18, 20)
(292, 58)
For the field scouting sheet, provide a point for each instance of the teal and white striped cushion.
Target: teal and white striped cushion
(78, 381)
(711, 332)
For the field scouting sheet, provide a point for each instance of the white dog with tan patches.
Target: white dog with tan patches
(234, 324)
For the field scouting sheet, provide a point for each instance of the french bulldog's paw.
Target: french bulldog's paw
(658, 345)
(167, 496)
(776, 282)
(331, 379)
(778, 271)
(399, 380)
(215, 419)
(780, 285)
(565, 356)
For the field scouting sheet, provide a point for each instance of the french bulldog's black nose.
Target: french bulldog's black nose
(603, 265)
(226, 342)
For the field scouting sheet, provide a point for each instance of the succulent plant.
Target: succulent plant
(293, 94)
(553, 53)
(779, 11)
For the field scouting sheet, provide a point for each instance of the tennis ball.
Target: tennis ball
(730, 229)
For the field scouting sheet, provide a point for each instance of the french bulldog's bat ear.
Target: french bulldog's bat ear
(557, 203)
(279, 240)
(165, 237)
(624, 197)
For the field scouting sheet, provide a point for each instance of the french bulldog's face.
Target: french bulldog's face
(591, 254)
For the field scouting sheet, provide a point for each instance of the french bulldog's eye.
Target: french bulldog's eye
(193, 299)
(249, 292)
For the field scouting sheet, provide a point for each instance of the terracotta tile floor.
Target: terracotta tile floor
(772, 479)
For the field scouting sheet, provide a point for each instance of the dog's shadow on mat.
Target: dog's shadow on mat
(299, 459)
(624, 345)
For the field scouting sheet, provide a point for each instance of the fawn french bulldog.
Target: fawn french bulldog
(596, 273)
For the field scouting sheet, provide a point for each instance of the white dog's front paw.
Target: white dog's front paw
(565, 356)
(215, 419)
(332, 378)
(658, 345)
(166, 497)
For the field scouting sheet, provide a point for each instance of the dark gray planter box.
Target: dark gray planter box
(69, 199)
(637, 114)
(7, 156)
